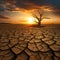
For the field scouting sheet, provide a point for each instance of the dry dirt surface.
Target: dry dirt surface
(29, 43)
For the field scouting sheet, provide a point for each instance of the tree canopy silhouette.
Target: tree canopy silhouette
(39, 17)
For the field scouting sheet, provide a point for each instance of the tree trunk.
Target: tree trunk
(39, 24)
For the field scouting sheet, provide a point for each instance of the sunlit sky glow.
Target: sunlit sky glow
(20, 11)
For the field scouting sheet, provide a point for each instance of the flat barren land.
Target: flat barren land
(18, 42)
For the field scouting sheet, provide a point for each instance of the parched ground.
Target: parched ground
(29, 43)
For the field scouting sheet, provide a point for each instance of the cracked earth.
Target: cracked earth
(29, 43)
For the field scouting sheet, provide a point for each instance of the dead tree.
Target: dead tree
(38, 19)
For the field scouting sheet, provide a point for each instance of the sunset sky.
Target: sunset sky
(20, 11)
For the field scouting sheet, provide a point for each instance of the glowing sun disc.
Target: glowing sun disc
(30, 20)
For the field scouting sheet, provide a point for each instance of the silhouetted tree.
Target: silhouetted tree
(39, 17)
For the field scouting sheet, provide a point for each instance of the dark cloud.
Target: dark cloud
(57, 12)
(32, 4)
(3, 17)
(26, 3)
(29, 4)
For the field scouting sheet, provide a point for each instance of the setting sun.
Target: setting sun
(31, 20)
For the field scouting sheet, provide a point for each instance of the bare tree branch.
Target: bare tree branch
(35, 21)
(36, 17)
(46, 18)
(39, 17)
